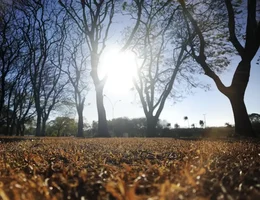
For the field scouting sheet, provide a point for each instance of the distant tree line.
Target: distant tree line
(136, 127)
(49, 51)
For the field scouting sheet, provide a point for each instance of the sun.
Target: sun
(120, 68)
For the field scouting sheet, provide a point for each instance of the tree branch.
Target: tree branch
(139, 14)
(231, 26)
(201, 58)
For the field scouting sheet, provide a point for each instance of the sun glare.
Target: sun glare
(120, 68)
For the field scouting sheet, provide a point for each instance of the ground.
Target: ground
(129, 168)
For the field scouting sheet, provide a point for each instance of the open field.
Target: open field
(129, 168)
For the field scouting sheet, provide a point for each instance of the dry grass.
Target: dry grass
(134, 168)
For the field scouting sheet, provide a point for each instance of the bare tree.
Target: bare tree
(157, 67)
(94, 19)
(10, 47)
(42, 29)
(209, 25)
(23, 105)
(19, 101)
(73, 54)
(15, 84)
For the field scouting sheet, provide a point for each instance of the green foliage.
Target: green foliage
(133, 127)
(62, 126)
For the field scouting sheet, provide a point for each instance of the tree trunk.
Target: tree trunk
(99, 86)
(13, 126)
(2, 97)
(18, 130)
(6, 131)
(8, 127)
(80, 122)
(22, 129)
(8, 122)
(236, 93)
(38, 124)
(102, 120)
(243, 125)
(43, 127)
(151, 126)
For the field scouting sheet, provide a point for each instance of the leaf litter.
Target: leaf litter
(129, 168)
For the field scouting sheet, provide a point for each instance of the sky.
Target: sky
(211, 106)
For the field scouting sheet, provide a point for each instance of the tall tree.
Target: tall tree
(42, 29)
(157, 68)
(23, 104)
(62, 126)
(94, 19)
(213, 22)
(73, 54)
(187, 119)
(15, 95)
(10, 47)
(19, 101)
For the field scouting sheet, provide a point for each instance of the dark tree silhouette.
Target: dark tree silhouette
(176, 126)
(41, 20)
(10, 48)
(187, 119)
(199, 44)
(201, 122)
(254, 118)
(15, 85)
(228, 125)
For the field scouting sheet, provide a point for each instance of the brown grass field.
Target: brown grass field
(128, 168)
